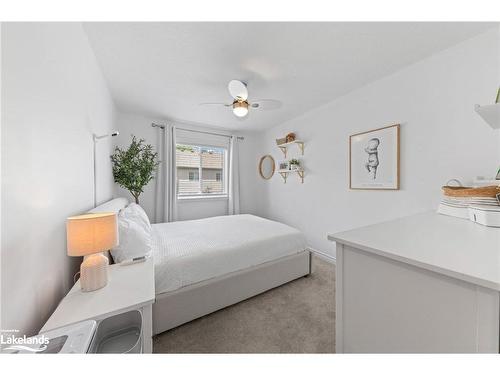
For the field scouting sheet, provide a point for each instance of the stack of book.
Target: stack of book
(459, 206)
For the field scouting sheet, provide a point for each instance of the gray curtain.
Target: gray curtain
(234, 177)
(166, 179)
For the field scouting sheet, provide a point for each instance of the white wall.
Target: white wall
(54, 98)
(140, 126)
(441, 138)
(1, 119)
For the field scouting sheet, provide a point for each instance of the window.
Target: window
(194, 176)
(201, 170)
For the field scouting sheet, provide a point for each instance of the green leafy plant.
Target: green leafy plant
(295, 162)
(184, 148)
(134, 167)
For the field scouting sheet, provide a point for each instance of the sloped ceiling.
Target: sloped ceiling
(164, 70)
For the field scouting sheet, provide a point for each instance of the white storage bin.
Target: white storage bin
(120, 333)
(485, 215)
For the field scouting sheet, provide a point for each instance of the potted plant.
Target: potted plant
(134, 167)
(294, 164)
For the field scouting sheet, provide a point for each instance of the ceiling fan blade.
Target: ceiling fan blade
(266, 104)
(238, 89)
(223, 104)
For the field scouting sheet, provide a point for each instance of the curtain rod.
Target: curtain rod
(196, 131)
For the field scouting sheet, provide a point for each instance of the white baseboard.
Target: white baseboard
(322, 255)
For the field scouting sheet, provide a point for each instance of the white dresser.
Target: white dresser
(423, 284)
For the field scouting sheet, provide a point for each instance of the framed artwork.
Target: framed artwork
(374, 159)
(284, 165)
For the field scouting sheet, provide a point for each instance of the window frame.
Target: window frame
(195, 174)
(224, 174)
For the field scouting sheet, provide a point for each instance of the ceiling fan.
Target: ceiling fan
(240, 105)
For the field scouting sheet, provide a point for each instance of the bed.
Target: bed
(204, 265)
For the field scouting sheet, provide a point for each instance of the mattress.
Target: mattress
(188, 252)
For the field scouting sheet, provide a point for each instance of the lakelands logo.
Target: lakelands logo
(31, 344)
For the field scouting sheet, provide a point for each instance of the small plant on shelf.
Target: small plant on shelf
(294, 164)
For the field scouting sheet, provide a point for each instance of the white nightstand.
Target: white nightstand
(129, 287)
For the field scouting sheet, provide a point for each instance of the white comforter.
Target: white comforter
(187, 252)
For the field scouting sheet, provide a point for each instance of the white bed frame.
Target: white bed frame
(194, 301)
(175, 308)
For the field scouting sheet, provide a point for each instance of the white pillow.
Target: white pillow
(134, 231)
(133, 210)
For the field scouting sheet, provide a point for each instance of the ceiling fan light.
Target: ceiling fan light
(240, 109)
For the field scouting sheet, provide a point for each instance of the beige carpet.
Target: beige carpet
(297, 317)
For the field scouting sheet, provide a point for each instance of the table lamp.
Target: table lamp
(88, 236)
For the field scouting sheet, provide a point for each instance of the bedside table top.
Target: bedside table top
(128, 287)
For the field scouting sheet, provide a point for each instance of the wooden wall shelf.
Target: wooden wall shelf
(284, 174)
(284, 147)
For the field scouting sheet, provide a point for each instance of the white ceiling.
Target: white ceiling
(164, 70)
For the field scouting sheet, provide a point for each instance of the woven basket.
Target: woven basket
(459, 191)
(280, 141)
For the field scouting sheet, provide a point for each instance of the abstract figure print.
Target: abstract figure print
(373, 161)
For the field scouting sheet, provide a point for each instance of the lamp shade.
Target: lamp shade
(91, 233)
